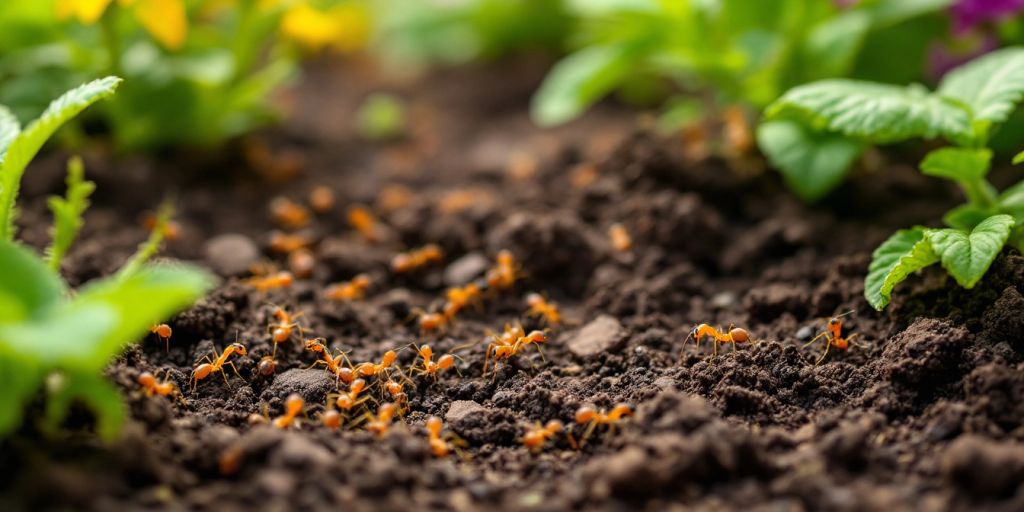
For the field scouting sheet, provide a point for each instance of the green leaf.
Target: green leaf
(1018, 158)
(958, 164)
(27, 289)
(579, 80)
(990, 85)
(812, 163)
(92, 389)
(20, 379)
(1012, 199)
(966, 216)
(874, 112)
(9, 129)
(25, 146)
(905, 252)
(67, 213)
(967, 256)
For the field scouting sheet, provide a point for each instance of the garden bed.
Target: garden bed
(920, 417)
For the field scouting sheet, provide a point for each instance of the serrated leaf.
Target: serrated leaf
(905, 252)
(967, 256)
(812, 163)
(67, 212)
(959, 164)
(966, 216)
(873, 112)
(9, 129)
(27, 289)
(579, 80)
(25, 146)
(990, 85)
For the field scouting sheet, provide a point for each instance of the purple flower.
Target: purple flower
(944, 56)
(969, 13)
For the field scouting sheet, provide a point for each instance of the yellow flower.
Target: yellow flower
(345, 27)
(165, 20)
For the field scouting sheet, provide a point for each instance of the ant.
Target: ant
(504, 273)
(288, 213)
(430, 322)
(332, 363)
(591, 417)
(302, 263)
(360, 218)
(502, 348)
(267, 366)
(538, 434)
(217, 364)
(542, 308)
(148, 382)
(163, 331)
(415, 259)
(349, 290)
(285, 243)
(321, 199)
(396, 390)
(331, 419)
(733, 335)
(460, 297)
(441, 445)
(429, 367)
(281, 331)
(380, 423)
(620, 239)
(347, 401)
(373, 369)
(292, 407)
(833, 335)
(281, 279)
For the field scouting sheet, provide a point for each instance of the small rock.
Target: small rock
(804, 333)
(298, 451)
(312, 385)
(723, 300)
(231, 254)
(603, 334)
(465, 269)
(460, 410)
(983, 467)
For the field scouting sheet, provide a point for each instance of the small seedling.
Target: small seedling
(293, 406)
(380, 423)
(733, 335)
(537, 435)
(541, 308)
(354, 289)
(217, 363)
(406, 262)
(381, 117)
(594, 418)
(163, 332)
(833, 335)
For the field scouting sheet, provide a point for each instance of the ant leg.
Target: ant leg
(590, 430)
(823, 356)
(232, 365)
(542, 358)
(816, 338)
(850, 340)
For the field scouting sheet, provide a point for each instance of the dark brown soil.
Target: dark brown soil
(926, 415)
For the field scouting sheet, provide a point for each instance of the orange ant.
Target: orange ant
(281, 330)
(542, 308)
(285, 243)
(538, 434)
(833, 335)
(332, 363)
(502, 348)
(267, 366)
(276, 280)
(373, 369)
(504, 273)
(292, 407)
(288, 213)
(621, 241)
(331, 419)
(591, 417)
(301, 263)
(217, 364)
(163, 331)
(429, 367)
(171, 229)
(441, 444)
(360, 218)
(395, 390)
(734, 335)
(349, 400)
(349, 290)
(460, 297)
(380, 423)
(417, 258)
(430, 322)
(394, 197)
(321, 199)
(148, 382)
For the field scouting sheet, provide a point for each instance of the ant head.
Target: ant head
(293, 404)
(537, 336)
(147, 379)
(585, 414)
(434, 425)
(389, 358)
(361, 280)
(622, 410)
(553, 426)
(739, 335)
(267, 366)
(238, 348)
(533, 299)
(331, 419)
(834, 321)
(426, 352)
(357, 385)
(386, 411)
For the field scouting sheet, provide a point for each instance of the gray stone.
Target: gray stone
(602, 334)
(231, 254)
(465, 269)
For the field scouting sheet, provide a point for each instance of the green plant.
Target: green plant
(381, 117)
(51, 337)
(746, 51)
(966, 109)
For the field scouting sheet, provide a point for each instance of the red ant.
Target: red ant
(360, 218)
(163, 331)
(833, 335)
(733, 335)
(217, 364)
(620, 239)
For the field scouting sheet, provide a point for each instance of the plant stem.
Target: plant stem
(980, 192)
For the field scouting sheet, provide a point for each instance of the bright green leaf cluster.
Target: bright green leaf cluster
(52, 339)
(812, 120)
